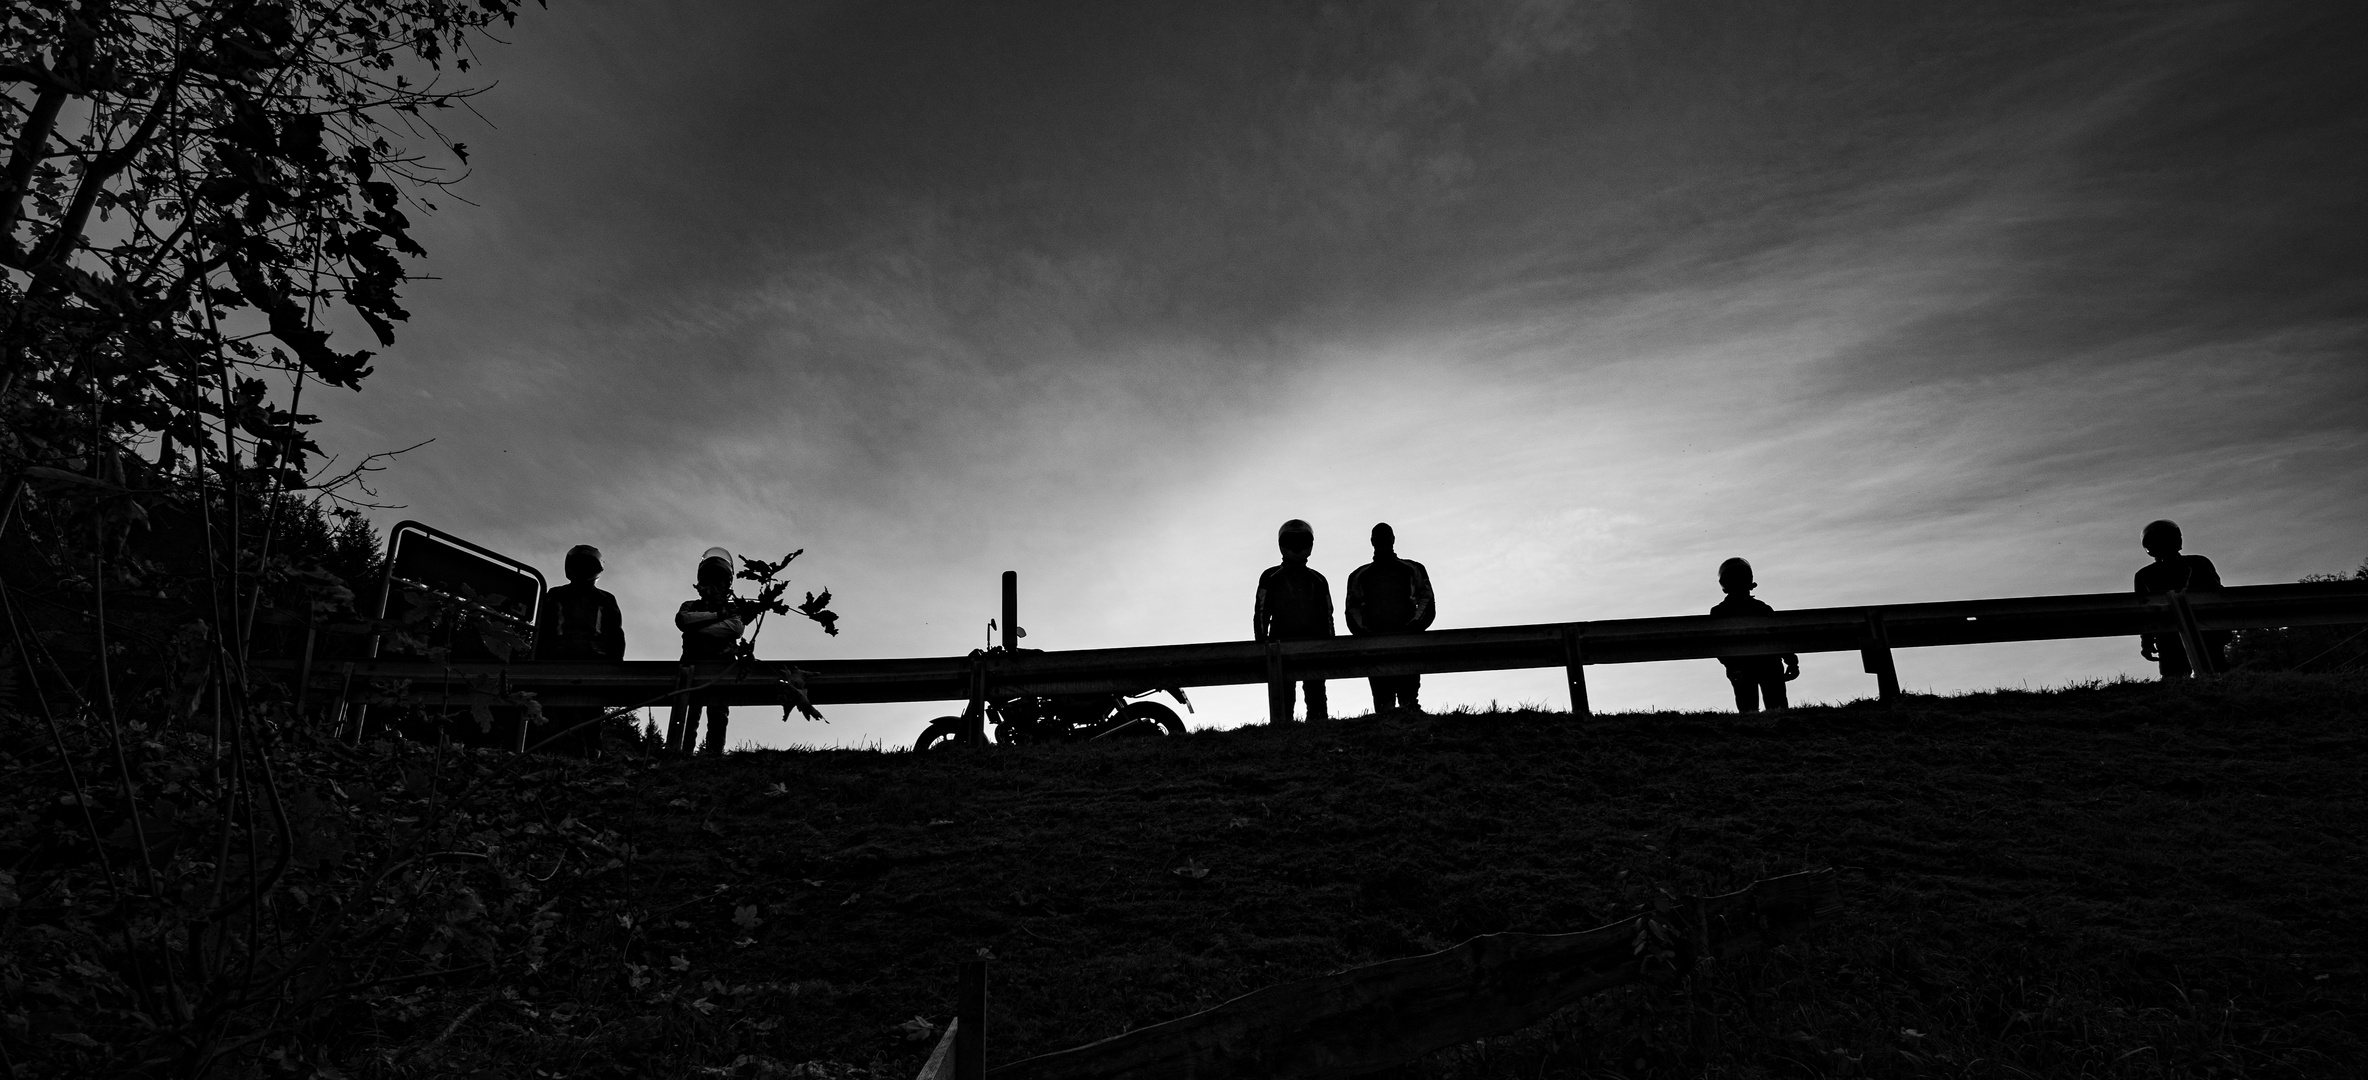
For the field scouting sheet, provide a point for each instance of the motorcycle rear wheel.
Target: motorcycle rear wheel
(1156, 719)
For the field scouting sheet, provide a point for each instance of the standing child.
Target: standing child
(1753, 677)
(1294, 604)
(2172, 572)
(710, 628)
(579, 622)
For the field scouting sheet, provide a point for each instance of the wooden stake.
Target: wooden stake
(940, 1065)
(970, 1017)
(1011, 610)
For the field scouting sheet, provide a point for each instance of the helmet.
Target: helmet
(583, 561)
(1296, 535)
(1383, 534)
(2161, 534)
(1735, 571)
(715, 565)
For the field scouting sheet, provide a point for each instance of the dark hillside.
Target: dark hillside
(2125, 880)
(2133, 879)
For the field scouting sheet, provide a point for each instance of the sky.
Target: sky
(1902, 302)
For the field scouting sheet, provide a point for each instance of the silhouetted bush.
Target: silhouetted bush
(2304, 648)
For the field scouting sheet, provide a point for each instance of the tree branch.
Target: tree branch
(94, 180)
(26, 154)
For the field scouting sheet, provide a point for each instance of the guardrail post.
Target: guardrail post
(1278, 689)
(1876, 652)
(678, 712)
(974, 718)
(970, 1012)
(1574, 662)
(2191, 634)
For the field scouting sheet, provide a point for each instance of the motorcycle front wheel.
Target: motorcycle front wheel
(943, 731)
(1144, 718)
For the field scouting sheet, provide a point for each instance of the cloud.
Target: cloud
(1901, 302)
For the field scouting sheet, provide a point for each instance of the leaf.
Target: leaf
(917, 1029)
(794, 697)
(745, 917)
(77, 1038)
(499, 640)
(1191, 869)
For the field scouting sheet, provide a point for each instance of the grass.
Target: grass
(2117, 880)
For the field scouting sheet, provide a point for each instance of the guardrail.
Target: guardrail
(1872, 631)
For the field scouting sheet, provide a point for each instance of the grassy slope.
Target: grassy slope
(2129, 879)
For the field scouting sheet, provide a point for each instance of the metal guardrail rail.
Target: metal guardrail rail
(1872, 631)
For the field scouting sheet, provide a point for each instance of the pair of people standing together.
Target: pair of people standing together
(1389, 595)
(580, 621)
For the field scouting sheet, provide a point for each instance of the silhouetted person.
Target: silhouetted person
(1390, 595)
(710, 634)
(1294, 604)
(2172, 572)
(579, 621)
(1753, 677)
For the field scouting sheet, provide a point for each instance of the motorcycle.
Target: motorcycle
(1023, 719)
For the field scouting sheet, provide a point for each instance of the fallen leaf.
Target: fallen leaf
(745, 918)
(679, 964)
(1191, 869)
(917, 1029)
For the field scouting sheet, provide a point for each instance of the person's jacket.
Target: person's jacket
(579, 621)
(2179, 573)
(1752, 667)
(710, 631)
(1389, 595)
(1294, 602)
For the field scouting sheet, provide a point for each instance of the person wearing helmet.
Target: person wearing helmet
(1294, 604)
(2172, 572)
(711, 628)
(1753, 677)
(1390, 595)
(579, 621)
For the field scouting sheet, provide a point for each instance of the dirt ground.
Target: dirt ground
(2126, 879)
